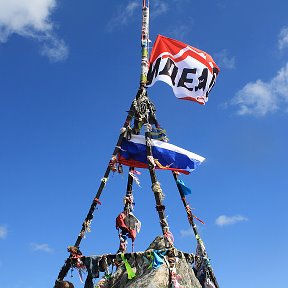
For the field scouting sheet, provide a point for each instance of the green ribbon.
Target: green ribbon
(151, 256)
(130, 272)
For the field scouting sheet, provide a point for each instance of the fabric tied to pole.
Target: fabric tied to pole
(158, 258)
(159, 134)
(128, 224)
(186, 190)
(92, 266)
(201, 267)
(169, 236)
(168, 156)
(89, 282)
(130, 272)
(175, 278)
(149, 256)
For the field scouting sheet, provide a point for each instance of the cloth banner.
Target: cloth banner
(186, 190)
(189, 71)
(166, 156)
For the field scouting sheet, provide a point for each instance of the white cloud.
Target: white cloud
(3, 232)
(55, 49)
(41, 247)
(224, 220)
(283, 38)
(260, 98)
(224, 60)
(187, 233)
(32, 19)
(256, 98)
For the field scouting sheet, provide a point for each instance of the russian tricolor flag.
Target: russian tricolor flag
(166, 156)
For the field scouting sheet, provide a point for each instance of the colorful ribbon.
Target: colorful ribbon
(183, 187)
(130, 272)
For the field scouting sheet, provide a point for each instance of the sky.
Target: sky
(68, 73)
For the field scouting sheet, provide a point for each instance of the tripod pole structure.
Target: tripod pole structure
(87, 222)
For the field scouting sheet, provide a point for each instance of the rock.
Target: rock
(147, 277)
(159, 243)
(64, 284)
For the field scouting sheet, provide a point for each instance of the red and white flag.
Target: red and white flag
(189, 71)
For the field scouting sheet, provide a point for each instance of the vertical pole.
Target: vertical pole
(129, 192)
(144, 42)
(190, 217)
(158, 194)
(128, 207)
(149, 117)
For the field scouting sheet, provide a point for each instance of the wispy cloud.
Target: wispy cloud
(179, 32)
(159, 7)
(42, 247)
(186, 233)
(32, 19)
(124, 15)
(224, 60)
(224, 220)
(260, 98)
(55, 49)
(3, 232)
(283, 38)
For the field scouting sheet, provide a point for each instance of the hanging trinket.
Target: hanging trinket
(133, 173)
(113, 164)
(120, 168)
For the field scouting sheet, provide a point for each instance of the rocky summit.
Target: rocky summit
(174, 269)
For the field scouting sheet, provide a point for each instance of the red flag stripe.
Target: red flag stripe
(167, 44)
(192, 54)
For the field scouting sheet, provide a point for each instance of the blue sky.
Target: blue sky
(68, 73)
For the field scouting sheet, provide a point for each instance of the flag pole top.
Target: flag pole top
(144, 43)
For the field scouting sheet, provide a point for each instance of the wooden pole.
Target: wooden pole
(85, 225)
(147, 115)
(190, 217)
(144, 43)
(158, 193)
